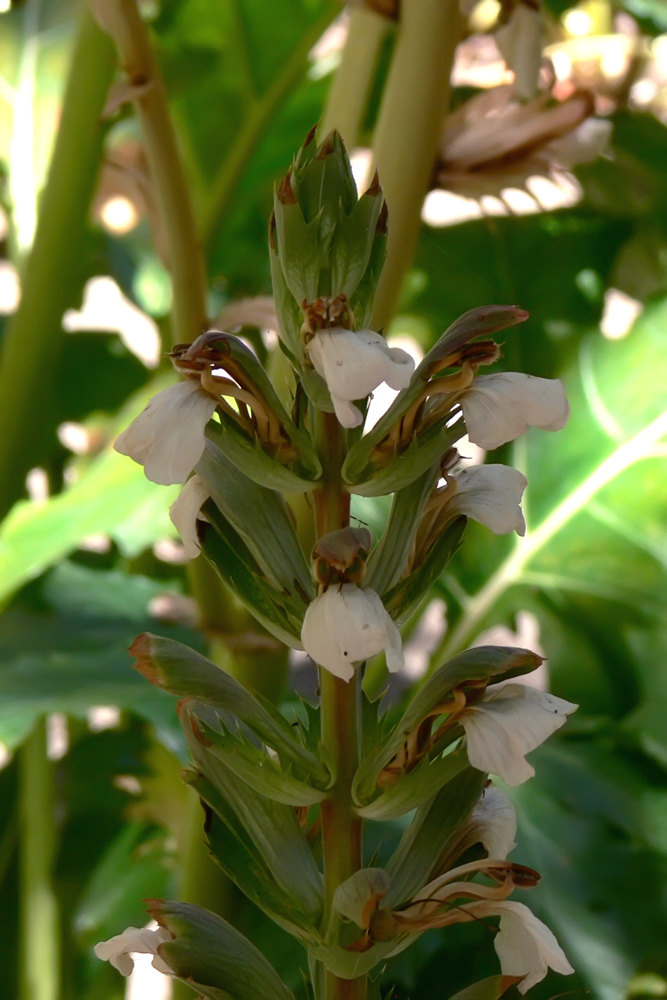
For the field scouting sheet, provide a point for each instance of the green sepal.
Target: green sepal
(402, 599)
(261, 518)
(316, 389)
(288, 310)
(475, 323)
(480, 663)
(323, 182)
(434, 824)
(239, 859)
(255, 766)
(405, 467)
(237, 568)
(353, 242)
(416, 787)
(363, 299)
(271, 826)
(213, 957)
(389, 557)
(183, 672)
(303, 249)
(308, 462)
(358, 469)
(251, 458)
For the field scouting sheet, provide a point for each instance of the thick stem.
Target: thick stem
(40, 937)
(348, 97)
(340, 714)
(183, 248)
(409, 126)
(34, 335)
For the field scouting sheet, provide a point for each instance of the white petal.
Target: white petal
(346, 625)
(498, 408)
(507, 724)
(493, 821)
(491, 494)
(354, 363)
(525, 946)
(134, 939)
(186, 511)
(167, 438)
(352, 896)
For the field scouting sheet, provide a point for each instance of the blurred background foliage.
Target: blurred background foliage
(88, 557)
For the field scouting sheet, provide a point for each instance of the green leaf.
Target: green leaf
(71, 653)
(213, 957)
(109, 497)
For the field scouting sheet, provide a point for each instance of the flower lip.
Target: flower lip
(346, 625)
(498, 408)
(353, 364)
(167, 438)
(509, 722)
(143, 940)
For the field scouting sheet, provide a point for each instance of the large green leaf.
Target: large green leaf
(71, 653)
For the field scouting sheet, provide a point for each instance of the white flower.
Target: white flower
(345, 625)
(167, 438)
(493, 823)
(353, 364)
(134, 939)
(186, 511)
(525, 946)
(508, 723)
(491, 494)
(498, 408)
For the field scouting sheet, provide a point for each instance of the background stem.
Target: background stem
(34, 335)
(409, 126)
(40, 935)
(348, 96)
(183, 249)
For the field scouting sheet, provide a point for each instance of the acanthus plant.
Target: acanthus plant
(285, 805)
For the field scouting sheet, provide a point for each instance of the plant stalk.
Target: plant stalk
(183, 249)
(348, 97)
(340, 714)
(40, 935)
(409, 126)
(34, 335)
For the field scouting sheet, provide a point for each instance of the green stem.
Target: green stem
(40, 947)
(34, 335)
(340, 715)
(22, 180)
(183, 247)
(259, 114)
(409, 126)
(348, 96)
